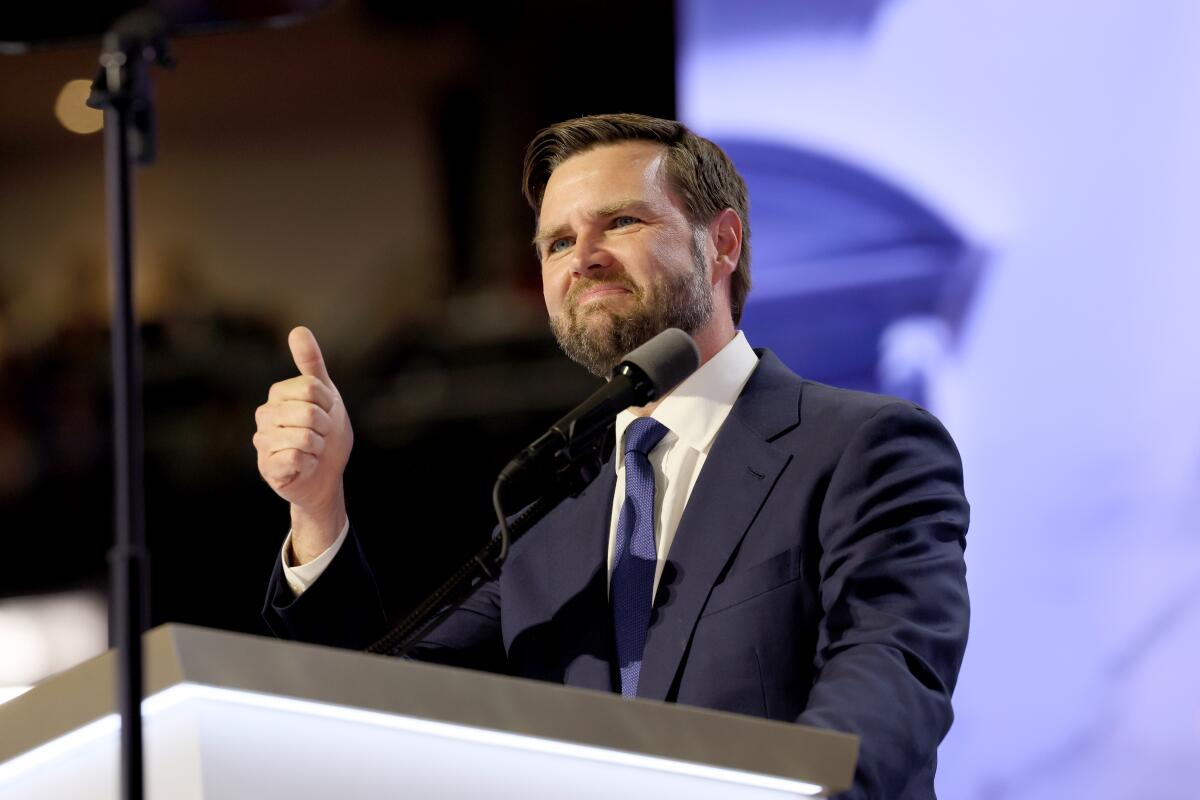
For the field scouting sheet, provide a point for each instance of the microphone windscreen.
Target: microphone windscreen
(667, 359)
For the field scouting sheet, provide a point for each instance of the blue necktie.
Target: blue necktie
(635, 561)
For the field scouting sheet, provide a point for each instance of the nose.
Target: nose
(590, 256)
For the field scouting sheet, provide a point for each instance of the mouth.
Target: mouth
(600, 292)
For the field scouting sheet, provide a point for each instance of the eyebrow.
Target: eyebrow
(608, 210)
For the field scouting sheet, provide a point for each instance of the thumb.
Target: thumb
(307, 355)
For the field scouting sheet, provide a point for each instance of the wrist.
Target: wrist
(314, 530)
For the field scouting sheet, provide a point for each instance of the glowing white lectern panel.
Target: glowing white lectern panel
(232, 716)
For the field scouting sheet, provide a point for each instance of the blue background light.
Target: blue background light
(1043, 163)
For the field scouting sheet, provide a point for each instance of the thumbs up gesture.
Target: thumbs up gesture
(303, 442)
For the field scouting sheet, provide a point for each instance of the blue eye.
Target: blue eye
(624, 220)
(554, 246)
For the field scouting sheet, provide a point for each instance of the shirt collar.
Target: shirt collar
(697, 408)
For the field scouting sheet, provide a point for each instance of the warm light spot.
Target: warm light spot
(72, 110)
(44, 634)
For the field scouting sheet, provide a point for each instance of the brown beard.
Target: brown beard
(598, 345)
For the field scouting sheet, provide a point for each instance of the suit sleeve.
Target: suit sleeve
(894, 596)
(343, 608)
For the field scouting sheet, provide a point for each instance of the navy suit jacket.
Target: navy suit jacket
(816, 576)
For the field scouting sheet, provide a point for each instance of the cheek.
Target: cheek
(553, 289)
(673, 254)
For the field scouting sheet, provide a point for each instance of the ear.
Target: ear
(726, 235)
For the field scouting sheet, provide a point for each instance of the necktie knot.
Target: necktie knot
(643, 435)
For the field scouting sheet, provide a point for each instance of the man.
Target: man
(759, 544)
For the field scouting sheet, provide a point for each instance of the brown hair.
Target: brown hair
(697, 170)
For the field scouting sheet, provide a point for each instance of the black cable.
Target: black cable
(501, 520)
(462, 583)
(581, 459)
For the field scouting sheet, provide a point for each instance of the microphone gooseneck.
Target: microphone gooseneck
(645, 375)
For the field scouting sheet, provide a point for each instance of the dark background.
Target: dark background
(358, 173)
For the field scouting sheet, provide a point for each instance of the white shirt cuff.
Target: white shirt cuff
(305, 575)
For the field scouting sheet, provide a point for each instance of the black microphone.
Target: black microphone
(560, 463)
(643, 376)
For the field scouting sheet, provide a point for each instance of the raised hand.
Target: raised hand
(303, 442)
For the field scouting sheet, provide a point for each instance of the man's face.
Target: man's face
(620, 260)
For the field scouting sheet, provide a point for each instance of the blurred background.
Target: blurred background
(985, 207)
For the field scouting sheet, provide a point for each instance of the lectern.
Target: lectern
(233, 716)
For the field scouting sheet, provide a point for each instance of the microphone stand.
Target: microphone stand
(123, 90)
(462, 583)
(579, 461)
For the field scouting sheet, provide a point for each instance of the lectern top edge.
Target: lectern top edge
(356, 683)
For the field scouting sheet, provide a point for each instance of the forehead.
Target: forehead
(588, 180)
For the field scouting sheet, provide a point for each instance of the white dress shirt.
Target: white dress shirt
(303, 576)
(692, 413)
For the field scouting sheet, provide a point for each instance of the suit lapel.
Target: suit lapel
(579, 575)
(741, 470)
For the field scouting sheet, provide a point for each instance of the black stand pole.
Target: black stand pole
(122, 90)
